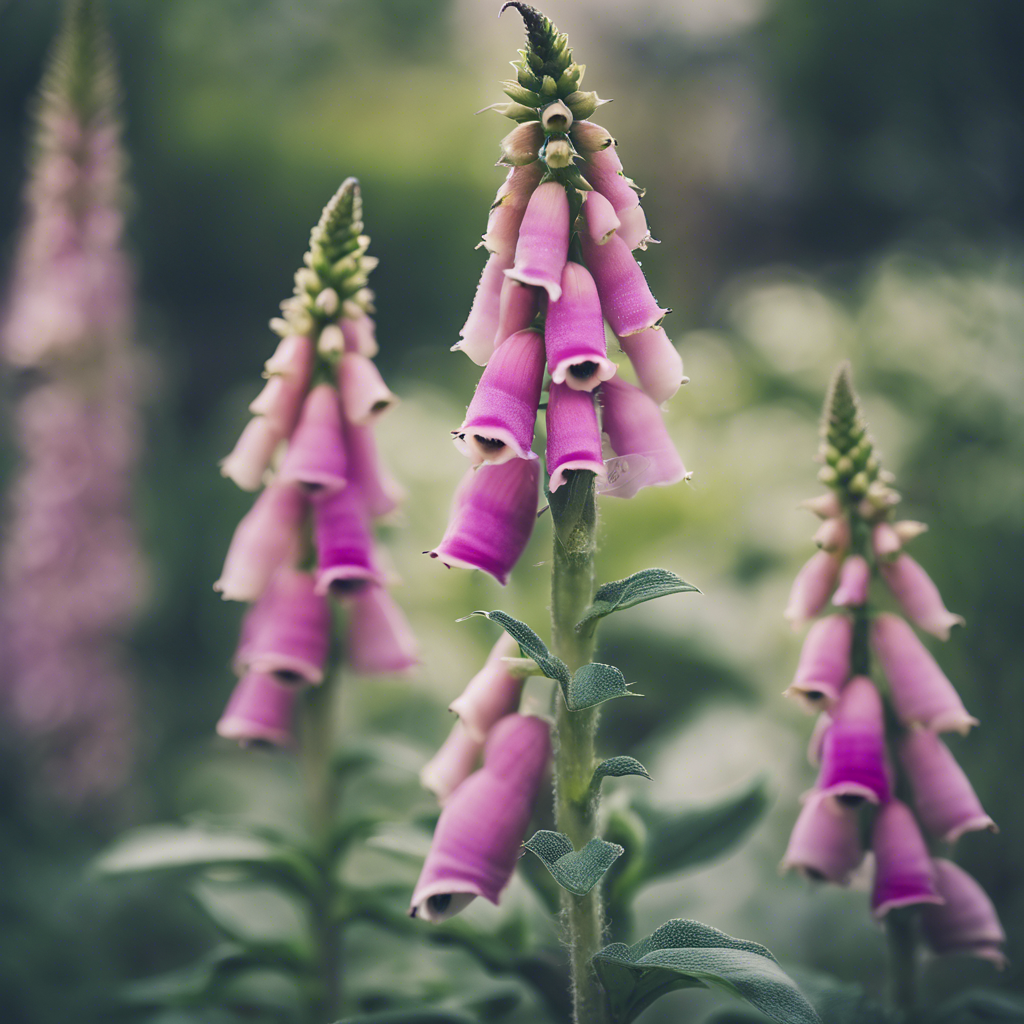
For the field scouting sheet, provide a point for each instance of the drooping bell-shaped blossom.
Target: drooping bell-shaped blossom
(904, 875)
(633, 229)
(249, 460)
(824, 665)
(918, 596)
(381, 493)
(344, 543)
(456, 759)
(479, 835)
(811, 587)
(825, 842)
(574, 438)
(589, 137)
(500, 420)
(492, 693)
(920, 691)
(885, 541)
(260, 711)
(481, 326)
(280, 401)
(603, 170)
(492, 517)
(637, 434)
(292, 354)
(521, 145)
(656, 362)
(824, 506)
(944, 798)
(966, 922)
(379, 638)
(516, 310)
(601, 219)
(833, 534)
(364, 395)
(854, 764)
(509, 206)
(577, 350)
(543, 245)
(854, 580)
(360, 335)
(316, 452)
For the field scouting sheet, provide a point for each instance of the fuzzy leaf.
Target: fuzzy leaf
(618, 766)
(688, 954)
(642, 586)
(594, 684)
(576, 870)
(531, 645)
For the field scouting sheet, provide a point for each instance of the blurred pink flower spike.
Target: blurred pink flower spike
(364, 395)
(492, 517)
(574, 438)
(825, 843)
(280, 401)
(360, 335)
(656, 362)
(344, 543)
(577, 350)
(966, 922)
(249, 459)
(491, 694)
(920, 691)
(824, 664)
(379, 639)
(381, 492)
(601, 220)
(543, 244)
(918, 596)
(904, 875)
(316, 452)
(260, 712)
(635, 427)
(854, 765)
(854, 580)
(509, 207)
(944, 798)
(456, 759)
(480, 832)
(501, 417)
(811, 588)
(626, 299)
(266, 538)
(481, 327)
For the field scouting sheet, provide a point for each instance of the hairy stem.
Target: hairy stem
(901, 979)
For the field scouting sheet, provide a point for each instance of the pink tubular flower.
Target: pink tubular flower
(824, 664)
(316, 452)
(825, 843)
(500, 420)
(633, 229)
(943, 797)
(509, 206)
(918, 596)
(491, 694)
(824, 506)
(574, 333)
(885, 540)
(364, 395)
(381, 492)
(260, 711)
(517, 308)
(543, 240)
(290, 358)
(636, 432)
(811, 588)
(574, 438)
(626, 297)
(591, 138)
(280, 401)
(344, 543)
(920, 691)
(479, 834)
(454, 762)
(853, 758)
(602, 222)
(833, 534)
(854, 579)
(656, 362)
(252, 453)
(903, 870)
(492, 517)
(379, 638)
(966, 922)
(360, 335)
(266, 538)
(603, 170)
(481, 326)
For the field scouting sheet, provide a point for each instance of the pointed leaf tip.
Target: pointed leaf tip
(642, 586)
(578, 871)
(616, 767)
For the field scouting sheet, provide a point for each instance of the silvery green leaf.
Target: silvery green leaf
(642, 586)
(576, 870)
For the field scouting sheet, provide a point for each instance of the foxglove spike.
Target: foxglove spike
(574, 438)
(966, 922)
(509, 207)
(577, 350)
(904, 875)
(824, 665)
(260, 712)
(364, 395)
(825, 844)
(379, 638)
(454, 762)
(656, 362)
(481, 328)
(811, 588)
(918, 596)
(491, 694)
(601, 219)
(360, 335)
(249, 459)
(344, 543)
(543, 245)
(854, 580)
(626, 299)
(316, 452)
(381, 492)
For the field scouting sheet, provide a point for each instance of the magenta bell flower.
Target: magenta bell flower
(944, 799)
(656, 362)
(626, 298)
(574, 335)
(918, 596)
(379, 638)
(825, 843)
(885, 541)
(903, 870)
(491, 694)
(543, 240)
(824, 665)
(633, 229)
(280, 401)
(344, 543)
(481, 326)
(492, 517)
(360, 335)
(250, 458)
(509, 206)
(266, 538)
(316, 452)
(480, 832)
(637, 434)
(966, 922)
(500, 420)
(811, 588)
(574, 438)
(854, 580)
(381, 492)
(602, 221)
(516, 309)
(603, 170)
(854, 765)
(920, 691)
(260, 711)
(454, 762)
(364, 395)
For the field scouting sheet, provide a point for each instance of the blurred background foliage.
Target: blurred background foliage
(830, 180)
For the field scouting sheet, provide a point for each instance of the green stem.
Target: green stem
(902, 963)
(576, 805)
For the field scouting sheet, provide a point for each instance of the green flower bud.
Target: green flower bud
(844, 466)
(518, 94)
(556, 117)
(548, 87)
(859, 484)
(328, 301)
(280, 326)
(832, 454)
(516, 111)
(557, 153)
(526, 78)
(331, 342)
(828, 476)
(570, 79)
(521, 144)
(583, 104)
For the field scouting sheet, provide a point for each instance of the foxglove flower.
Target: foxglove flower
(885, 541)
(854, 580)
(379, 638)
(491, 694)
(316, 452)
(280, 401)
(364, 395)
(517, 309)
(509, 207)
(656, 362)
(543, 245)
(344, 543)
(574, 333)
(626, 299)
(247, 464)
(260, 711)
(601, 218)
(812, 587)
(825, 844)
(833, 534)
(481, 326)
(966, 922)
(365, 471)
(574, 438)
(454, 762)
(824, 665)
(904, 875)
(359, 334)
(918, 596)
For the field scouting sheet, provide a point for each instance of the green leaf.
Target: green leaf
(642, 586)
(531, 645)
(576, 870)
(688, 954)
(594, 684)
(618, 766)
(979, 1005)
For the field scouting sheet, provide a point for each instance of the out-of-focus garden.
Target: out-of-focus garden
(828, 180)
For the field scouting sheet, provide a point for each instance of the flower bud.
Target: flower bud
(885, 540)
(589, 138)
(316, 452)
(520, 94)
(577, 349)
(908, 529)
(556, 117)
(811, 588)
(966, 922)
(854, 580)
(260, 712)
(918, 596)
(825, 844)
(379, 638)
(833, 534)
(557, 153)
(825, 506)
(328, 301)
(824, 664)
(491, 694)
(360, 334)
(331, 342)
(574, 438)
(543, 244)
(522, 144)
(583, 104)
(904, 875)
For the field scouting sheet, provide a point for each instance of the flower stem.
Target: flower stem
(572, 589)
(902, 963)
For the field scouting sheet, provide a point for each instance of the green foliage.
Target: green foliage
(977, 1006)
(593, 684)
(618, 766)
(642, 586)
(531, 645)
(576, 870)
